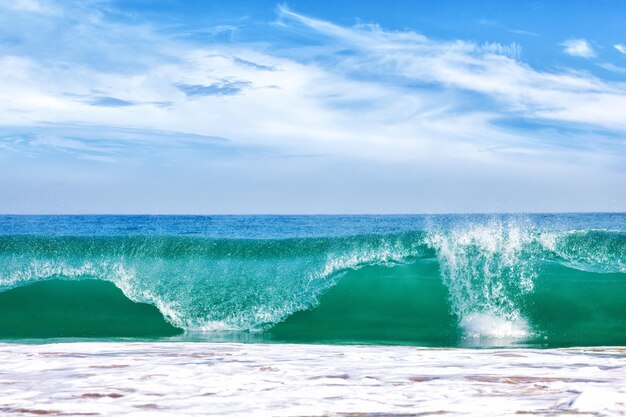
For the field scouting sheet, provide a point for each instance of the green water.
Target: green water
(576, 308)
(77, 309)
(403, 304)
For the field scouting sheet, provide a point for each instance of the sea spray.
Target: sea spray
(488, 268)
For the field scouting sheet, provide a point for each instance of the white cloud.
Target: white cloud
(578, 47)
(397, 95)
(447, 112)
(24, 5)
(564, 97)
(612, 67)
(620, 47)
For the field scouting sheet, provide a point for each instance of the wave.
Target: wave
(490, 275)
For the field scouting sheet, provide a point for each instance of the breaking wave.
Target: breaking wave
(494, 279)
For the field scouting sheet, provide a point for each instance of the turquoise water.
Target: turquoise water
(540, 280)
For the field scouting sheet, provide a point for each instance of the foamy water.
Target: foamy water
(179, 379)
(478, 325)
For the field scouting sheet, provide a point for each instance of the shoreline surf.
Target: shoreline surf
(315, 380)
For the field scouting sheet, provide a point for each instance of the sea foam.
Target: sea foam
(484, 325)
(191, 379)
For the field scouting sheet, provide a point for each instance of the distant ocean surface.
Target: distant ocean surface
(438, 281)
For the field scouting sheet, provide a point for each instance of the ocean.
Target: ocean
(313, 315)
(541, 280)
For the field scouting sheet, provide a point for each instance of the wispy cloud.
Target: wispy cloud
(220, 88)
(485, 69)
(620, 47)
(409, 93)
(578, 47)
(494, 24)
(103, 143)
(612, 67)
(104, 101)
(32, 6)
(252, 64)
(452, 110)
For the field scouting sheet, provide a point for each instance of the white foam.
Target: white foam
(489, 326)
(190, 379)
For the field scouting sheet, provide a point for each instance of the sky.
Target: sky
(301, 107)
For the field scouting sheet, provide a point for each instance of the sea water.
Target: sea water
(313, 315)
(448, 280)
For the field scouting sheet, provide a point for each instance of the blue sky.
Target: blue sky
(312, 107)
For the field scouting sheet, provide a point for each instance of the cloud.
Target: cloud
(253, 64)
(612, 67)
(488, 70)
(103, 143)
(578, 47)
(220, 88)
(361, 91)
(620, 47)
(494, 24)
(447, 111)
(30, 6)
(104, 101)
